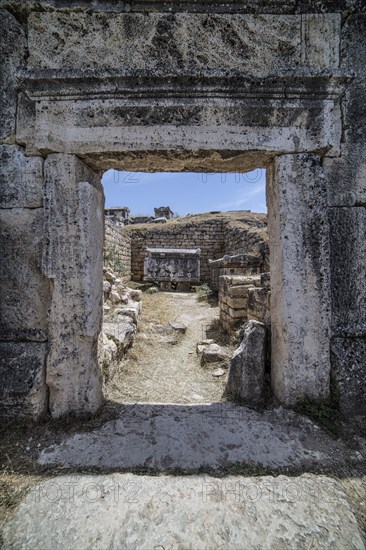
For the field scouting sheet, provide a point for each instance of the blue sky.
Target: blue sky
(185, 193)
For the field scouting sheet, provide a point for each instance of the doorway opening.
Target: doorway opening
(169, 337)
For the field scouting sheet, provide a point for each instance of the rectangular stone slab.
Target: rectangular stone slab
(21, 178)
(164, 42)
(300, 280)
(348, 374)
(172, 264)
(23, 391)
(13, 47)
(73, 259)
(25, 291)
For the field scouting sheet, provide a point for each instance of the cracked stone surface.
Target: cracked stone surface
(129, 511)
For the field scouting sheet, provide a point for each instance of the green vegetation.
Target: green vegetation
(203, 293)
(113, 260)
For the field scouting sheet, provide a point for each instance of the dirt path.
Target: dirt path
(163, 366)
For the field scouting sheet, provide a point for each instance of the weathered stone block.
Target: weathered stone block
(23, 392)
(347, 174)
(25, 291)
(172, 264)
(259, 305)
(135, 295)
(13, 47)
(348, 374)
(113, 118)
(348, 267)
(265, 281)
(21, 178)
(73, 259)
(247, 366)
(238, 313)
(167, 42)
(237, 303)
(300, 278)
(238, 291)
(353, 51)
(320, 40)
(224, 307)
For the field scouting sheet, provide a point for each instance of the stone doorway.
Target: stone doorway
(284, 336)
(66, 124)
(299, 266)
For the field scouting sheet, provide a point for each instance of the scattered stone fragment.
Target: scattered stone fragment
(219, 372)
(109, 276)
(202, 345)
(179, 327)
(213, 353)
(114, 297)
(170, 341)
(106, 287)
(246, 374)
(161, 329)
(152, 290)
(124, 298)
(136, 295)
(127, 312)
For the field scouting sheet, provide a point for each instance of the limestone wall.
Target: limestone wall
(346, 184)
(117, 250)
(243, 298)
(252, 239)
(25, 290)
(207, 235)
(215, 235)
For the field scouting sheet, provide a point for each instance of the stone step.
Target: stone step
(165, 437)
(191, 512)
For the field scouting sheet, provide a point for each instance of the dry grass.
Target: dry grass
(163, 365)
(155, 309)
(245, 220)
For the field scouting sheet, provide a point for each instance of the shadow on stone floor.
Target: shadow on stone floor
(189, 438)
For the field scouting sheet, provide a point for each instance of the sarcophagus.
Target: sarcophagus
(172, 265)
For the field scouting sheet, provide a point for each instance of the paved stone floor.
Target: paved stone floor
(205, 476)
(126, 511)
(94, 501)
(164, 437)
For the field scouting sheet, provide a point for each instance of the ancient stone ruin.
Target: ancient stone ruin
(163, 212)
(177, 86)
(167, 266)
(119, 215)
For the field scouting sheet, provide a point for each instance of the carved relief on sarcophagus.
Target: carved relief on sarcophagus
(172, 264)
